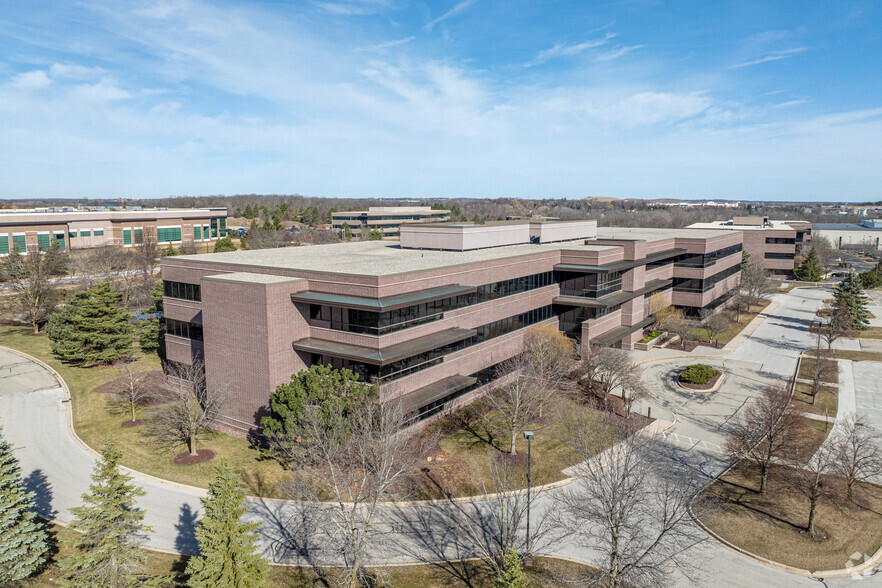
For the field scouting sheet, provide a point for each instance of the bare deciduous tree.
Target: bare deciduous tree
(497, 525)
(144, 260)
(834, 321)
(131, 389)
(825, 251)
(766, 429)
(517, 397)
(550, 355)
(630, 505)
(806, 475)
(355, 471)
(714, 323)
(29, 277)
(820, 364)
(191, 407)
(858, 452)
(755, 282)
(611, 369)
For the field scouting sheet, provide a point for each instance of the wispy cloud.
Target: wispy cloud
(774, 56)
(353, 7)
(461, 6)
(387, 44)
(565, 50)
(617, 52)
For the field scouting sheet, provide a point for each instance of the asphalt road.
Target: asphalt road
(57, 467)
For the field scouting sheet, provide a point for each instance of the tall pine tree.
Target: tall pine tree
(850, 293)
(112, 527)
(92, 328)
(22, 538)
(810, 268)
(227, 557)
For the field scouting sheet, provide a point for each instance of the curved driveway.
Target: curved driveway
(57, 467)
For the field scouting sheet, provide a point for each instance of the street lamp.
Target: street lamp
(528, 435)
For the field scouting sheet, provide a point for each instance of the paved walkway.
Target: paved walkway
(57, 467)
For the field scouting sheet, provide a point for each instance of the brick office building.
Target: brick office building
(775, 243)
(386, 219)
(429, 318)
(83, 229)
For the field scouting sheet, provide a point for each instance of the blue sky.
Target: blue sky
(521, 98)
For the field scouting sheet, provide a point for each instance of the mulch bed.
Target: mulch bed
(700, 387)
(152, 381)
(132, 423)
(202, 455)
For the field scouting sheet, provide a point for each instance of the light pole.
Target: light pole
(528, 435)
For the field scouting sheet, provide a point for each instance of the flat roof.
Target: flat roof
(372, 258)
(650, 234)
(774, 225)
(843, 227)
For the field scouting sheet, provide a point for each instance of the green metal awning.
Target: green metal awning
(381, 304)
(435, 391)
(385, 355)
(611, 299)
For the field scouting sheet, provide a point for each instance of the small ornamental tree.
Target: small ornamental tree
(226, 545)
(850, 293)
(91, 329)
(224, 244)
(110, 527)
(22, 538)
(810, 269)
(334, 391)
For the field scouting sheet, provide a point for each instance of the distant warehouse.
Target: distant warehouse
(387, 219)
(866, 235)
(82, 229)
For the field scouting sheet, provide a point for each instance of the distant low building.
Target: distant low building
(867, 234)
(774, 242)
(82, 229)
(387, 219)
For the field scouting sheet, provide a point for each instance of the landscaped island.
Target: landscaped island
(699, 377)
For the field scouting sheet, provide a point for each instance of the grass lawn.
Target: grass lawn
(459, 466)
(96, 420)
(772, 525)
(544, 571)
(700, 334)
(856, 355)
(870, 333)
(826, 399)
(830, 374)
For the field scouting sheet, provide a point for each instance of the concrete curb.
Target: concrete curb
(266, 500)
(871, 563)
(745, 333)
(73, 433)
(713, 388)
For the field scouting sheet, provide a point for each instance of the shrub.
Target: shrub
(698, 374)
(650, 337)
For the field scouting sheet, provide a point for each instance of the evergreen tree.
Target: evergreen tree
(107, 553)
(92, 328)
(249, 212)
(150, 331)
(810, 269)
(227, 557)
(850, 293)
(22, 538)
(224, 244)
(512, 573)
(745, 260)
(170, 251)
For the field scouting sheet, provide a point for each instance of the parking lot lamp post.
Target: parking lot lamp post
(528, 435)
